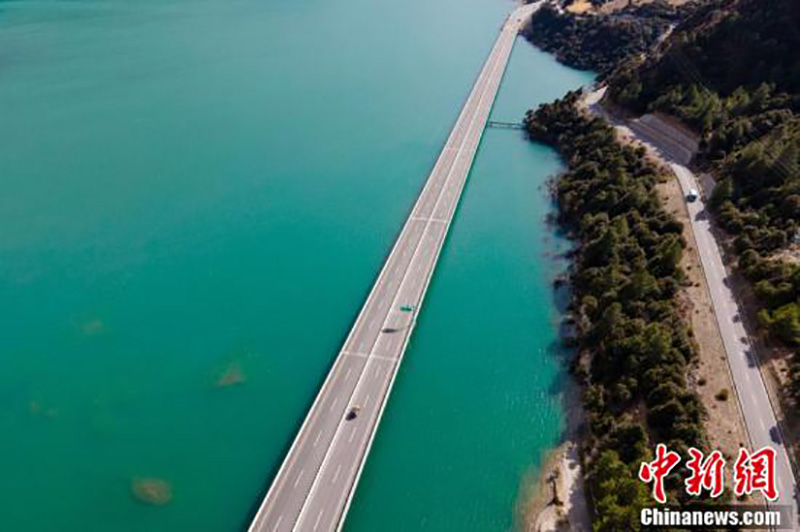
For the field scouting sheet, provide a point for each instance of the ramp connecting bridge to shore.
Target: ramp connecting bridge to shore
(315, 484)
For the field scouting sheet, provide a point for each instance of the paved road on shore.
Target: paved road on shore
(759, 416)
(315, 484)
(762, 425)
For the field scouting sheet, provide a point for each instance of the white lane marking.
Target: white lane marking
(333, 404)
(316, 440)
(347, 375)
(277, 523)
(366, 400)
(336, 474)
(352, 435)
(364, 355)
(429, 220)
(299, 476)
(316, 523)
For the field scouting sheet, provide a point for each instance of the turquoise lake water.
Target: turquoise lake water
(195, 197)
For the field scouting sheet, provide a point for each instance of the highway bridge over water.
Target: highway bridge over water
(316, 482)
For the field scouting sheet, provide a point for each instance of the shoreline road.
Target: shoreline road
(314, 486)
(759, 416)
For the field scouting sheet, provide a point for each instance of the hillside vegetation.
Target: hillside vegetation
(599, 42)
(635, 349)
(732, 72)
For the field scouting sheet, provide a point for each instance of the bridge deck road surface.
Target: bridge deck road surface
(315, 484)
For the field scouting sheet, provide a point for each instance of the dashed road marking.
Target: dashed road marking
(319, 517)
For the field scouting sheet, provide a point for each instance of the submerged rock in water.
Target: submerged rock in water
(153, 491)
(232, 375)
(94, 327)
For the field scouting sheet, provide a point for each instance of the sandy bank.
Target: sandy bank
(557, 500)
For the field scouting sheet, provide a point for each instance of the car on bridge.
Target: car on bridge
(353, 412)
